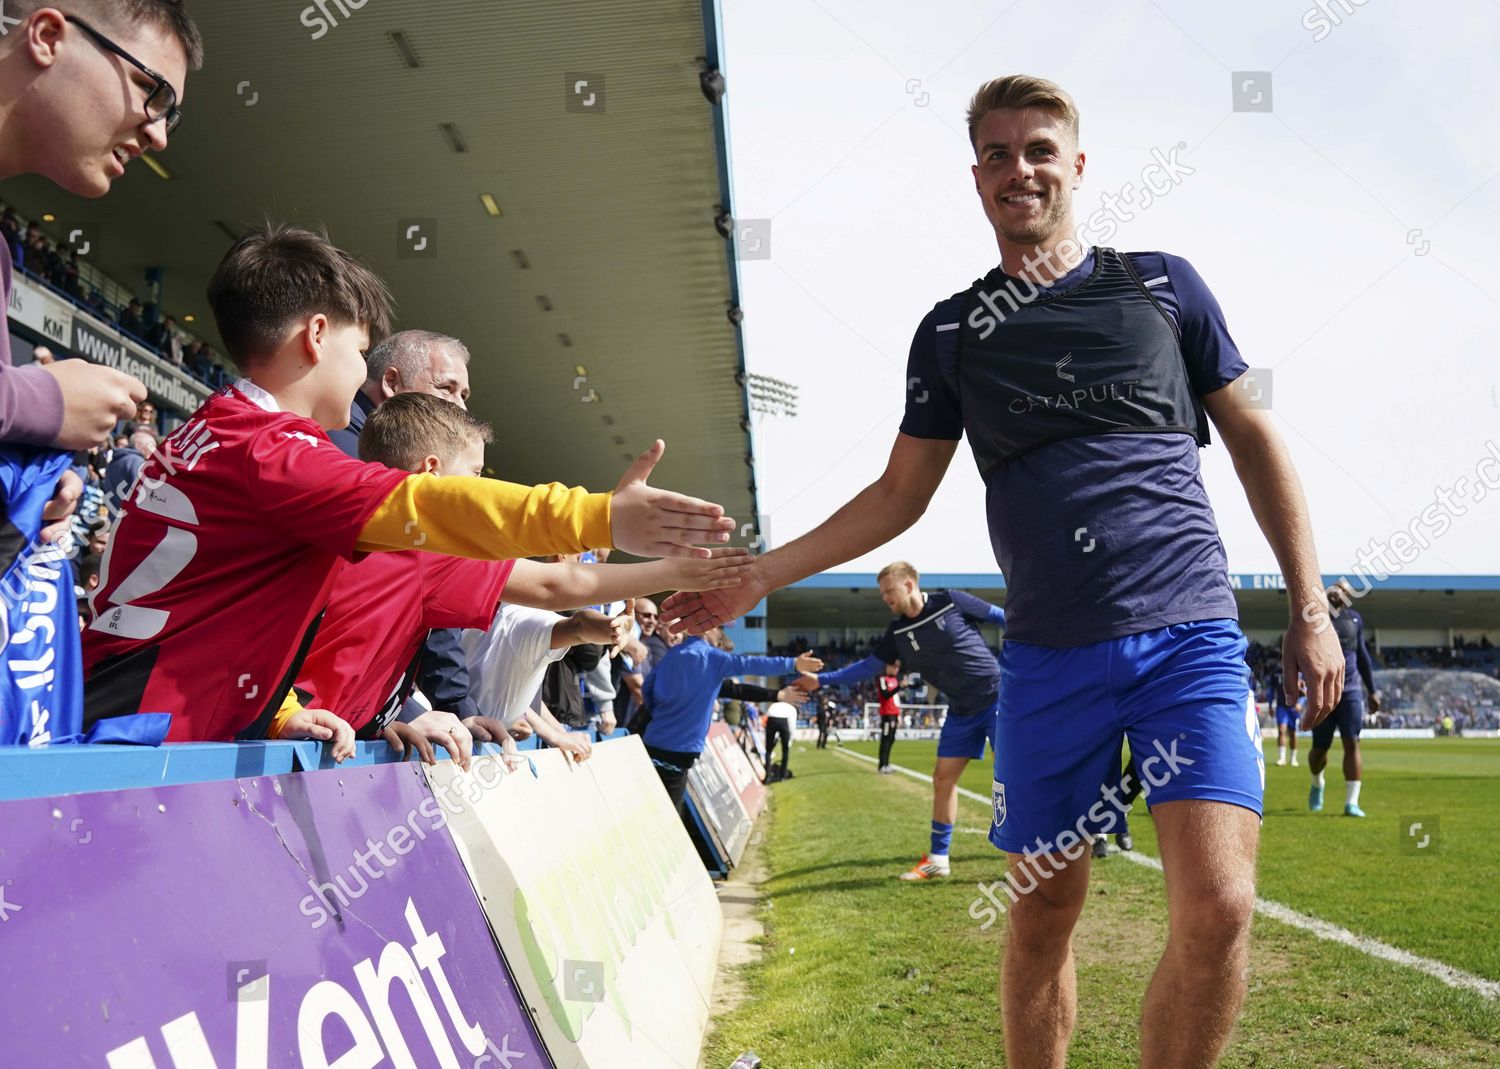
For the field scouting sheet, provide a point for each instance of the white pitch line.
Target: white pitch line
(1448, 974)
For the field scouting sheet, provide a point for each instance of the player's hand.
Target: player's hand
(324, 726)
(58, 515)
(1312, 651)
(807, 663)
(95, 398)
(521, 729)
(659, 523)
(727, 567)
(1375, 701)
(807, 681)
(694, 612)
(793, 695)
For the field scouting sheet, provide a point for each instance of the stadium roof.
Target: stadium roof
(1465, 603)
(610, 206)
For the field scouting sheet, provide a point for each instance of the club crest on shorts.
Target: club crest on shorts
(997, 797)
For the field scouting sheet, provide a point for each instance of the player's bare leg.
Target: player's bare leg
(934, 863)
(1038, 982)
(945, 788)
(1208, 856)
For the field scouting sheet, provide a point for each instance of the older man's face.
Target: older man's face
(646, 615)
(446, 376)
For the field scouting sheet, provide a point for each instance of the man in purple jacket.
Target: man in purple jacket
(63, 115)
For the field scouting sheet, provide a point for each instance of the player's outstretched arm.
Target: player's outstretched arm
(568, 585)
(1265, 469)
(872, 518)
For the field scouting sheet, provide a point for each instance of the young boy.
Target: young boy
(226, 551)
(363, 659)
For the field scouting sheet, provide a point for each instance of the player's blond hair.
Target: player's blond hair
(899, 570)
(1021, 91)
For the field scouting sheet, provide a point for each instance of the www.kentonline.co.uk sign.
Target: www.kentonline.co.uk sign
(111, 350)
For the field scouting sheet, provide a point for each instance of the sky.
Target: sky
(1349, 234)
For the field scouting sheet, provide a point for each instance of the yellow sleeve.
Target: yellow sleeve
(290, 707)
(485, 519)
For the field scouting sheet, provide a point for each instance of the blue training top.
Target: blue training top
(682, 687)
(1099, 533)
(942, 642)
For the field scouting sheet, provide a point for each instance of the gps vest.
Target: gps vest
(1035, 368)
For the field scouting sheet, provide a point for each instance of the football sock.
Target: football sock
(1281, 753)
(942, 837)
(1351, 792)
(1318, 779)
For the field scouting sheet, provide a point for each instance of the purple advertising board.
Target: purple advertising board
(320, 919)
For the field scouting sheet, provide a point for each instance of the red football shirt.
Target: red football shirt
(378, 616)
(218, 565)
(889, 687)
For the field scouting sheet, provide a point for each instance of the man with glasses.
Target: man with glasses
(82, 93)
(656, 648)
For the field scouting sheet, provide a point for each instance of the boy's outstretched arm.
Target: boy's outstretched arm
(873, 517)
(486, 519)
(571, 586)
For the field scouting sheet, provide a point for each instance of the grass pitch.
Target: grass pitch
(860, 970)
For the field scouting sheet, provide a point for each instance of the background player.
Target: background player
(889, 688)
(1286, 719)
(937, 635)
(1349, 715)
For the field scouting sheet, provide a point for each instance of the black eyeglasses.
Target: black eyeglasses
(161, 102)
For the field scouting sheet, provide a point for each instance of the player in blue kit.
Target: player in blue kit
(938, 635)
(1287, 715)
(1349, 716)
(1085, 380)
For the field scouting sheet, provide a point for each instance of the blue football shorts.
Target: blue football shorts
(1180, 695)
(965, 736)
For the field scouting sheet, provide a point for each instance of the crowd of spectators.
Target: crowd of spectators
(44, 261)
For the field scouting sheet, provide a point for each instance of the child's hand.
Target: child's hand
(575, 745)
(727, 567)
(658, 523)
(323, 726)
(601, 630)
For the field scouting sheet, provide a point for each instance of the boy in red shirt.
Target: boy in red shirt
(363, 659)
(225, 552)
